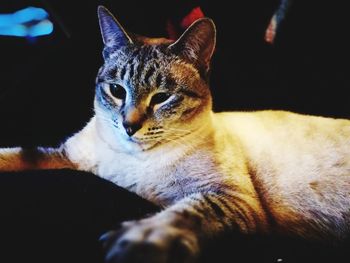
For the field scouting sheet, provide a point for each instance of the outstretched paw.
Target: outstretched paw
(151, 242)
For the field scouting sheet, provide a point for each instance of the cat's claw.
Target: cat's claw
(142, 242)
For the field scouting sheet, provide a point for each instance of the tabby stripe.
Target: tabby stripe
(148, 75)
(217, 209)
(215, 212)
(159, 80)
(253, 218)
(260, 193)
(138, 70)
(191, 216)
(155, 54)
(241, 206)
(131, 70)
(169, 82)
(200, 207)
(190, 93)
(242, 210)
(221, 215)
(112, 73)
(122, 73)
(201, 210)
(235, 211)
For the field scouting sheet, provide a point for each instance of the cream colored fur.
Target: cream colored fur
(265, 171)
(297, 165)
(301, 164)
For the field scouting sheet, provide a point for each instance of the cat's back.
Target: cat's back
(284, 138)
(260, 129)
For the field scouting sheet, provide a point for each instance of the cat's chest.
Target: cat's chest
(157, 178)
(124, 170)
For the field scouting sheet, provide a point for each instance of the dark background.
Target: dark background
(47, 84)
(47, 88)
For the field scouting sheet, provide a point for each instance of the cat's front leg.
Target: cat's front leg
(19, 159)
(177, 233)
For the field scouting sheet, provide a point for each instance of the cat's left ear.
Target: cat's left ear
(113, 34)
(197, 43)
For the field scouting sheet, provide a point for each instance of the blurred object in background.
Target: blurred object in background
(27, 22)
(277, 20)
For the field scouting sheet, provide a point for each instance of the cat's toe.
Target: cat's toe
(125, 251)
(141, 244)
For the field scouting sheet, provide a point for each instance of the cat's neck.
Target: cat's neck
(178, 148)
(188, 143)
(90, 145)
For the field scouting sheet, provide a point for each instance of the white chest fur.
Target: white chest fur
(158, 175)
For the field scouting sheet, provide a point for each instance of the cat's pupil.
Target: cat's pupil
(117, 91)
(159, 98)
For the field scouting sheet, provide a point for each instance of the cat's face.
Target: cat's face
(152, 92)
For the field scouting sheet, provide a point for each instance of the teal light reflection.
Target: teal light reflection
(27, 22)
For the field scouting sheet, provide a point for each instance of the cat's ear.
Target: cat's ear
(113, 34)
(197, 43)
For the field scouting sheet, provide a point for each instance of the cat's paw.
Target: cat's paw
(146, 241)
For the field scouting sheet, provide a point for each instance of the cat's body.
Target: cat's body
(297, 166)
(155, 134)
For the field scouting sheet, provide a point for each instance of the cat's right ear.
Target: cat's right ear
(113, 34)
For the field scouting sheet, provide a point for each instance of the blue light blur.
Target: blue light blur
(27, 22)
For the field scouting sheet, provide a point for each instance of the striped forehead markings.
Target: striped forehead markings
(159, 80)
(142, 66)
(131, 70)
(148, 75)
(122, 73)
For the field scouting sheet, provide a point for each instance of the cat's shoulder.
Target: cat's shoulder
(274, 116)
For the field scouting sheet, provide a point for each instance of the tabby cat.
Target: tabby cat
(155, 134)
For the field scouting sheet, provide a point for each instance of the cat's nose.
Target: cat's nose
(131, 128)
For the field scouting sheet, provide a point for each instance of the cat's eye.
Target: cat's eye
(159, 98)
(117, 91)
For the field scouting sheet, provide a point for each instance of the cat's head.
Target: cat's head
(153, 91)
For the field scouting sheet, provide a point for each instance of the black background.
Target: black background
(47, 88)
(47, 84)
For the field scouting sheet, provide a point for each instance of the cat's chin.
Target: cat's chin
(133, 145)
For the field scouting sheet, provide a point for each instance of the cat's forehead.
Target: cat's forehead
(148, 66)
(146, 54)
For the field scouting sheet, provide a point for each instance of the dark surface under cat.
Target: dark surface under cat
(58, 216)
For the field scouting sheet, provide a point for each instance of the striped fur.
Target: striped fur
(252, 172)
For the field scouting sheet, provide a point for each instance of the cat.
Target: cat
(154, 133)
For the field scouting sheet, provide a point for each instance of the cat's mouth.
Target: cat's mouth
(135, 140)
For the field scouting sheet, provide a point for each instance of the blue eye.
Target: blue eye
(117, 91)
(159, 98)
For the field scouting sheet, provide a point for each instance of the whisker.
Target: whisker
(176, 129)
(179, 141)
